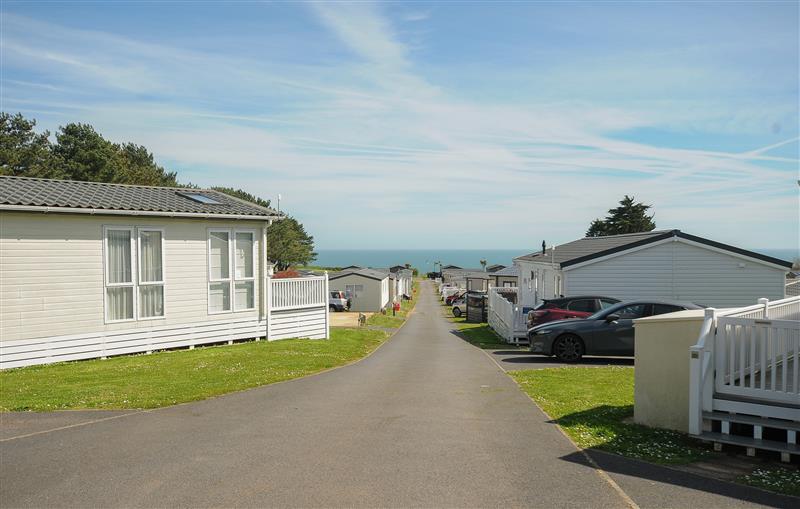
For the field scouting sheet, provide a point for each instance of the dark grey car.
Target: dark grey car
(607, 332)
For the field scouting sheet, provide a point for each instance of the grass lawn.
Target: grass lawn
(394, 322)
(594, 406)
(478, 334)
(167, 378)
(780, 479)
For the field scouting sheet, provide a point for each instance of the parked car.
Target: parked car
(459, 306)
(563, 308)
(607, 332)
(452, 298)
(337, 301)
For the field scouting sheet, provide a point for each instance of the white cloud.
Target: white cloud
(374, 140)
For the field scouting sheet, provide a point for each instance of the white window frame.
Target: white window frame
(243, 279)
(106, 267)
(231, 279)
(135, 250)
(162, 283)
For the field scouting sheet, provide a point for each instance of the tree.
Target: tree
(288, 244)
(24, 153)
(483, 264)
(242, 195)
(138, 166)
(629, 217)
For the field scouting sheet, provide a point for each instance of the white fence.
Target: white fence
(504, 317)
(297, 293)
(752, 353)
(298, 308)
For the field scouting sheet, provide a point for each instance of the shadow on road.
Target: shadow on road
(620, 465)
(521, 357)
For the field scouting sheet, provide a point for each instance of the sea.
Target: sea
(424, 259)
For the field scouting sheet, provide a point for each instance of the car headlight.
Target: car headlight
(542, 332)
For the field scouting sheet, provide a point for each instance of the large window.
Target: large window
(231, 271)
(132, 293)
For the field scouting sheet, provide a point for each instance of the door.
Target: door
(616, 338)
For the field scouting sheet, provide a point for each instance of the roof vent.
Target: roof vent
(201, 198)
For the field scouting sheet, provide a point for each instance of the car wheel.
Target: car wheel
(456, 312)
(333, 308)
(568, 348)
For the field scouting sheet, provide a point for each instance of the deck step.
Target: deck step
(753, 420)
(764, 445)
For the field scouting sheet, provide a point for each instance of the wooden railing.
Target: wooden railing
(298, 293)
(751, 352)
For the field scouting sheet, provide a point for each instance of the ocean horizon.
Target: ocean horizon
(423, 259)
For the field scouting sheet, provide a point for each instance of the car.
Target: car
(452, 298)
(607, 332)
(337, 301)
(459, 306)
(562, 308)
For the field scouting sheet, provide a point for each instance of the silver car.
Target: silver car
(459, 307)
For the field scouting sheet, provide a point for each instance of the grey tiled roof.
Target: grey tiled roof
(368, 273)
(512, 271)
(589, 246)
(73, 194)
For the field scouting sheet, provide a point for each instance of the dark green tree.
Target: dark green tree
(242, 195)
(629, 217)
(24, 153)
(288, 244)
(138, 166)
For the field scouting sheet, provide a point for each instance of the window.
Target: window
(605, 303)
(583, 305)
(244, 247)
(633, 311)
(508, 284)
(660, 309)
(151, 273)
(219, 274)
(201, 198)
(353, 291)
(231, 271)
(119, 274)
(134, 275)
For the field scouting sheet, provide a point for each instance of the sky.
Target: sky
(439, 125)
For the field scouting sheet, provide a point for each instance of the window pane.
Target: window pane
(151, 256)
(151, 301)
(219, 297)
(119, 256)
(583, 305)
(660, 309)
(120, 303)
(632, 311)
(218, 257)
(244, 255)
(244, 295)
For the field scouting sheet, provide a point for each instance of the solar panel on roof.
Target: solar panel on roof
(201, 198)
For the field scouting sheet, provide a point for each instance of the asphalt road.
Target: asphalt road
(427, 420)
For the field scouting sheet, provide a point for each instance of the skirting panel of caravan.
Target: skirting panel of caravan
(105, 344)
(298, 323)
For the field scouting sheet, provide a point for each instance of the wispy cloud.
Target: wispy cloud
(371, 134)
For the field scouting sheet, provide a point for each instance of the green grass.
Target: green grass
(394, 322)
(167, 378)
(478, 334)
(782, 480)
(594, 407)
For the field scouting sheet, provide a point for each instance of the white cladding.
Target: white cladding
(679, 270)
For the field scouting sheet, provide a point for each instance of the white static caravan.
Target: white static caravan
(92, 270)
(367, 289)
(667, 264)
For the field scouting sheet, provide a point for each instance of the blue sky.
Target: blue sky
(462, 125)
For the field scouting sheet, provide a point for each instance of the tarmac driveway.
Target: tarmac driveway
(427, 420)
